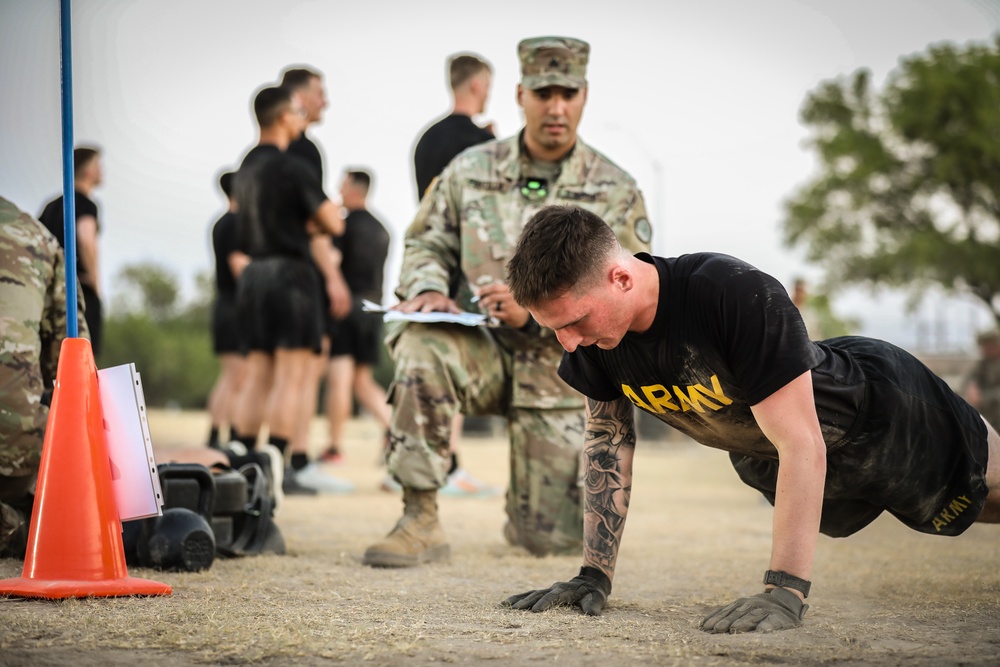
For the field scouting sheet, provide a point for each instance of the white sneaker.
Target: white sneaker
(464, 485)
(312, 477)
(236, 447)
(276, 474)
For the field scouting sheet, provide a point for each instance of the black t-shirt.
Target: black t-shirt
(52, 217)
(304, 148)
(365, 245)
(725, 337)
(440, 143)
(276, 194)
(224, 242)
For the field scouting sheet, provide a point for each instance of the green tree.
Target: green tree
(149, 288)
(169, 342)
(908, 192)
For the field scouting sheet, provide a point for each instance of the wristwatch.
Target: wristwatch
(785, 580)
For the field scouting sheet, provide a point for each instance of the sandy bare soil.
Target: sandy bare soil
(696, 538)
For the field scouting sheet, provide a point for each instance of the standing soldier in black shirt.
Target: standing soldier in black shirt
(356, 340)
(87, 175)
(281, 206)
(229, 264)
(470, 79)
(306, 86)
(832, 433)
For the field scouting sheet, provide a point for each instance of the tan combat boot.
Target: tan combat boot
(417, 538)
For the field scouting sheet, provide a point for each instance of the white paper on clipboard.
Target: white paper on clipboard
(465, 318)
(133, 469)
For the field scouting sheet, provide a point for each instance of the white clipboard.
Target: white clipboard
(130, 449)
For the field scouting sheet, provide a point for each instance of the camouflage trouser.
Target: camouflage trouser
(989, 408)
(445, 369)
(22, 419)
(16, 499)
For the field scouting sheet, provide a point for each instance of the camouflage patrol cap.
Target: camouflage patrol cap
(553, 61)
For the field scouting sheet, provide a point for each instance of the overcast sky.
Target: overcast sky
(699, 101)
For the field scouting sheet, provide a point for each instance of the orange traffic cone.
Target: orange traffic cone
(75, 539)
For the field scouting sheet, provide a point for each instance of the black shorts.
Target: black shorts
(93, 314)
(917, 451)
(225, 325)
(278, 305)
(359, 335)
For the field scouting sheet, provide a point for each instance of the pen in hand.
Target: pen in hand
(490, 319)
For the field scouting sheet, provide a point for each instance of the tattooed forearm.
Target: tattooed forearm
(608, 451)
(610, 424)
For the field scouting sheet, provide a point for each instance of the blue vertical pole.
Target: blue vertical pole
(69, 192)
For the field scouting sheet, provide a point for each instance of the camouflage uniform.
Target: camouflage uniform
(986, 375)
(32, 327)
(462, 236)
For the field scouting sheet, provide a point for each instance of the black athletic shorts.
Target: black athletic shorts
(358, 335)
(278, 305)
(93, 314)
(917, 451)
(225, 326)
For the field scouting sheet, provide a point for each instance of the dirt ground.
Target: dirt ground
(696, 538)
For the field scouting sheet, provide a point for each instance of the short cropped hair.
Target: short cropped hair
(464, 66)
(361, 178)
(226, 183)
(82, 157)
(298, 77)
(270, 103)
(562, 248)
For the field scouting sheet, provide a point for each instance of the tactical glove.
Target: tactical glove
(589, 591)
(777, 609)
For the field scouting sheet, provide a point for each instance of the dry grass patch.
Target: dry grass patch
(696, 537)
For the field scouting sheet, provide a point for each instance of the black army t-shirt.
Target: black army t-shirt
(364, 245)
(441, 143)
(223, 244)
(276, 193)
(308, 151)
(725, 337)
(52, 217)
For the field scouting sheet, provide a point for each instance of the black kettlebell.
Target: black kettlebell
(181, 539)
